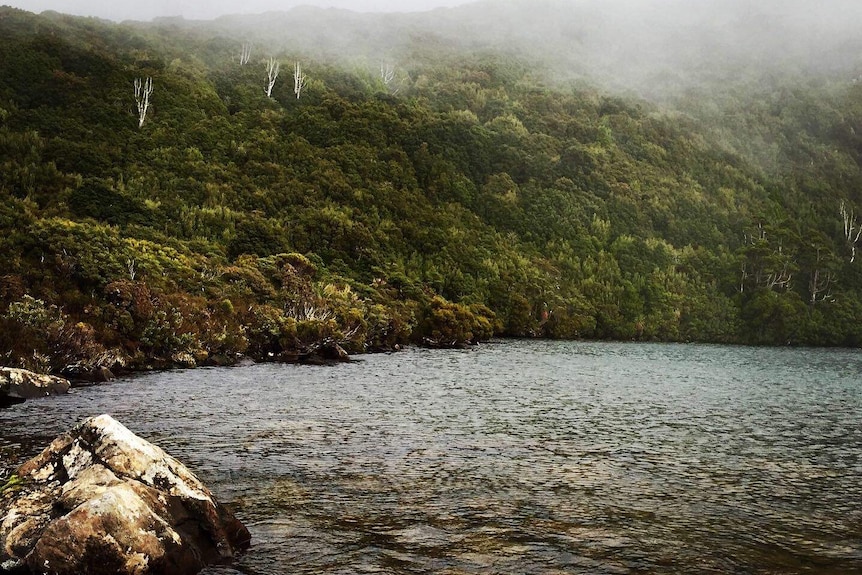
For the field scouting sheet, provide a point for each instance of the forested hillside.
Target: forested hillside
(436, 195)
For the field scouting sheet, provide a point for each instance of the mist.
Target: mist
(651, 47)
(208, 10)
(654, 48)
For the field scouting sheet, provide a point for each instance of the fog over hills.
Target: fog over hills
(651, 46)
(506, 178)
(209, 9)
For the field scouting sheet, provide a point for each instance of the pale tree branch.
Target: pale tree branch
(852, 230)
(387, 73)
(143, 90)
(298, 80)
(245, 55)
(271, 75)
(389, 77)
(819, 285)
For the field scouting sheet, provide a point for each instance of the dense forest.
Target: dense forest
(417, 191)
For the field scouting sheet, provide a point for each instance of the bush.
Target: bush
(448, 324)
(41, 338)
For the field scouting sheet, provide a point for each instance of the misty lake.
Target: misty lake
(516, 457)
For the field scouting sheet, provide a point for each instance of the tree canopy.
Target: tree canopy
(443, 200)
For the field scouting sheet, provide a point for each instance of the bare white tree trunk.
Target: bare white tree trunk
(271, 75)
(245, 55)
(143, 90)
(780, 279)
(852, 230)
(298, 80)
(389, 77)
(132, 266)
(819, 284)
(387, 73)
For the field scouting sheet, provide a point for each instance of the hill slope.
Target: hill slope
(473, 195)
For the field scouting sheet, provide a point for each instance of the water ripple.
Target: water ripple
(519, 457)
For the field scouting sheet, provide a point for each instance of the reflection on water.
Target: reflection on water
(517, 457)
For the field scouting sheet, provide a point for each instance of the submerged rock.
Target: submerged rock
(100, 499)
(17, 385)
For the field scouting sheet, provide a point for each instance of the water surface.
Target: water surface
(516, 457)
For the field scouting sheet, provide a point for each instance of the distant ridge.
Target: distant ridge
(653, 47)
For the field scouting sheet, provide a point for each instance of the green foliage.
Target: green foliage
(477, 201)
(30, 312)
(96, 200)
(448, 324)
(43, 339)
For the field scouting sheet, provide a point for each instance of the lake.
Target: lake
(529, 457)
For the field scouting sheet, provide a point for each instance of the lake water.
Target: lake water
(516, 457)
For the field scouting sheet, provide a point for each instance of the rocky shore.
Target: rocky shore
(19, 385)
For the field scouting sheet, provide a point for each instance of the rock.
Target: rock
(184, 359)
(327, 353)
(324, 353)
(98, 369)
(103, 374)
(334, 352)
(16, 385)
(201, 356)
(82, 374)
(100, 499)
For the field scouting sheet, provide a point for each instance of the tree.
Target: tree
(388, 77)
(245, 54)
(271, 75)
(387, 74)
(852, 230)
(298, 80)
(143, 90)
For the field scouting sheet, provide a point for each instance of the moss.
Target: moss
(13, 484)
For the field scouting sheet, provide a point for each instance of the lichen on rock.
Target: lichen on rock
(17, 385)
(100, 499)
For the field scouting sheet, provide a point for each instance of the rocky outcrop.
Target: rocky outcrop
(81, 375)
(16, 385)
(99, 369)
(319, 354)
(100, 499)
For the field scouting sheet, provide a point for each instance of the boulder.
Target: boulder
(334, 352)
(323, 353)
(100, 499)
(80, 374)
(98, 369)
(16, 385)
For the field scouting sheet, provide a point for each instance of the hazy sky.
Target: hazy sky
(207, 9)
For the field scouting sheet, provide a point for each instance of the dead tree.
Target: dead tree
(271, 75)
(143, 90)
(765, 264)
(819, 282)
(752, 240)
(387, 74)
(245, 55)
(852, 230)
(779, 278)
(132, 265)
(298, 80)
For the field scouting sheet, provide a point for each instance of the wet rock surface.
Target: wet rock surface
(100, 499)
(18, 385)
